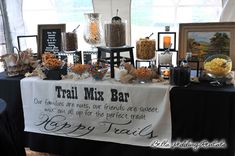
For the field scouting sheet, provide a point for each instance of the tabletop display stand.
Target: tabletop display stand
(115, 60)
(166, 45)
(150, 62)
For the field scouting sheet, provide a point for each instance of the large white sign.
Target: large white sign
(135, 114)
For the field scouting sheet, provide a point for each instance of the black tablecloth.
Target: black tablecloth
(10, 92)
(7, 145)
(199, 112)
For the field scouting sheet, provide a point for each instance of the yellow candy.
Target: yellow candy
(218, 66)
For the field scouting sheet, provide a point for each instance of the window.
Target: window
(147, 16)
(2, 37)
(57, 11)
(2, 40)
(153, 15)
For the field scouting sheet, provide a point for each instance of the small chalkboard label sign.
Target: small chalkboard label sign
(49, 37)
(89, 55)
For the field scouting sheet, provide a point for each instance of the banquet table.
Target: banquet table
(8, 147)
(10, 92)
(198, 112)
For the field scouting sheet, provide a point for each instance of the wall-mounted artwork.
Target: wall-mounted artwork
(205, 39)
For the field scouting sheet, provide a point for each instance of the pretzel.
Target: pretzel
(218, 66)
(50, 61)
(47, 55)
(143, 73)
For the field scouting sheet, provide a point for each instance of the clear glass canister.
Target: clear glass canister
(165, 58)
(145, 48)
(93, 28)
(69, 41)
(180, 76)
(115, 34)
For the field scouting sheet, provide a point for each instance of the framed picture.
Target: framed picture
(49, 37)
(205, 39)
(28, 42)
(164, 71)
(165, 39)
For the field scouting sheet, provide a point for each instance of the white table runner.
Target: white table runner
(136, 114)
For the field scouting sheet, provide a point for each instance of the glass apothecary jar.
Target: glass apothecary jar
(69, 41)
(180, 76)
(165, 58)
(218, 65)
(93, 29)
(115, 34)
(145, 48)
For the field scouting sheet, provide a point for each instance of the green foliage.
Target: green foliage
(220, 42)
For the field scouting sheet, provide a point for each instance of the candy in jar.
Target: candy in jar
(145, 48)
(115, 32)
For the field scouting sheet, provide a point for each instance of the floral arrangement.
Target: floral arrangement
(19, 64)
(141, 74)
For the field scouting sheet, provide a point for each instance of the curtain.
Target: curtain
(15, 18)
(228, 11)
(6, 28)
(108, 9)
